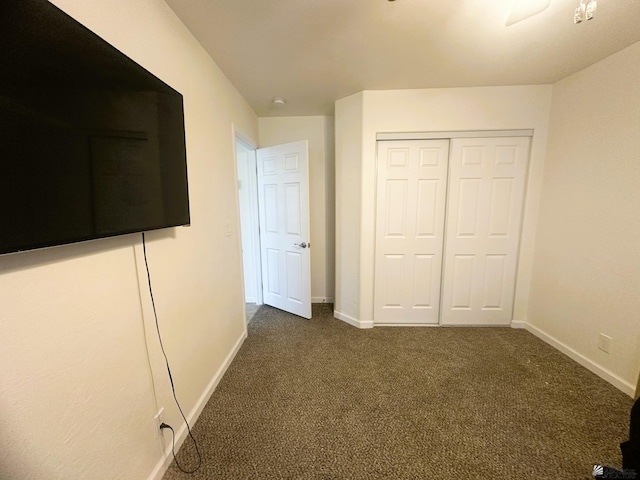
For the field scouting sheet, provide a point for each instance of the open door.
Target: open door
(283, 199)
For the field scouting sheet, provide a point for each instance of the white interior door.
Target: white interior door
(484, 215)
(411, 193)
(283, 197)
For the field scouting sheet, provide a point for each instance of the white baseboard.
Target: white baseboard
(353, 321)
(250, 300)
(321, 299)
(587, 363)
(391, 324)
(181, 433)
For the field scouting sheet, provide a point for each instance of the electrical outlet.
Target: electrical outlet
(604, 342)
(158, 419)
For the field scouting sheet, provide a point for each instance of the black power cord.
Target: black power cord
(173, 449)
(173, 388)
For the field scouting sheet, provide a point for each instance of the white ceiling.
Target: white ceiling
(312, 52)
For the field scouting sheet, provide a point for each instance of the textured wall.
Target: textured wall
(77, 395)
(587, 256)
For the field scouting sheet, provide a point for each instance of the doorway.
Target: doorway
(249, 225)
(273, 201)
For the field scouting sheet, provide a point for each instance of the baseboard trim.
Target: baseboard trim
(181, 434)
(518, 324)
(391, 324)
(353, 321)
(321, 299)
(587, 363)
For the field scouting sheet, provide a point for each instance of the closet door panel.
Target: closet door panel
(487, 178)
(411, 195)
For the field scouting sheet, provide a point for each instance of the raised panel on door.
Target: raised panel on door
(295, 269)
(272, 272)
(392, 271)
(487, 179)
(422, 294)
(426, 214)
(494, 282)
(411, 193)
(462, 281)
(396, 196)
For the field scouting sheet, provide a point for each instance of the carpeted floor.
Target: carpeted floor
(251, 309)
(320, 399)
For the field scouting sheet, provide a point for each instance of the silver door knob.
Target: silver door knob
(301, 245)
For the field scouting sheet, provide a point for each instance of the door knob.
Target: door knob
(302, 245)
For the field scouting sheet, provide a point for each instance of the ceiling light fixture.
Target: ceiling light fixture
(585, 11)
(278, 102)
(591, 9)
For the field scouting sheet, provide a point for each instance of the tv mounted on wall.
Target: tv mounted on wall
(92, 145)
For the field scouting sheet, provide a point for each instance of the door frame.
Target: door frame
(253, 219)
(444, 135)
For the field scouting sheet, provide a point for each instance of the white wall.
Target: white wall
(348, 179)
(433, 110)
(318, 130)
(586, 276)
(77, 395)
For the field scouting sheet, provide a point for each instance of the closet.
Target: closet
(448, 221)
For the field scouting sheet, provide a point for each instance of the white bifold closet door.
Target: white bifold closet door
(411, 193)
(448, 221)
(484, 216)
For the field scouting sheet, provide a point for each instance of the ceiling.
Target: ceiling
(313, 52)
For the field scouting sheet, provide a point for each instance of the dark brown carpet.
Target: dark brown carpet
(320, 399)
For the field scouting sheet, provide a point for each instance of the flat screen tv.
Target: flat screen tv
(92, 145)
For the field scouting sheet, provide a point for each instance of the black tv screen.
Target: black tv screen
(91, 144)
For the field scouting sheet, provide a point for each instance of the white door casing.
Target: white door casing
(484, 214)
(283, 197)
(411, 194)
(249, 220)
